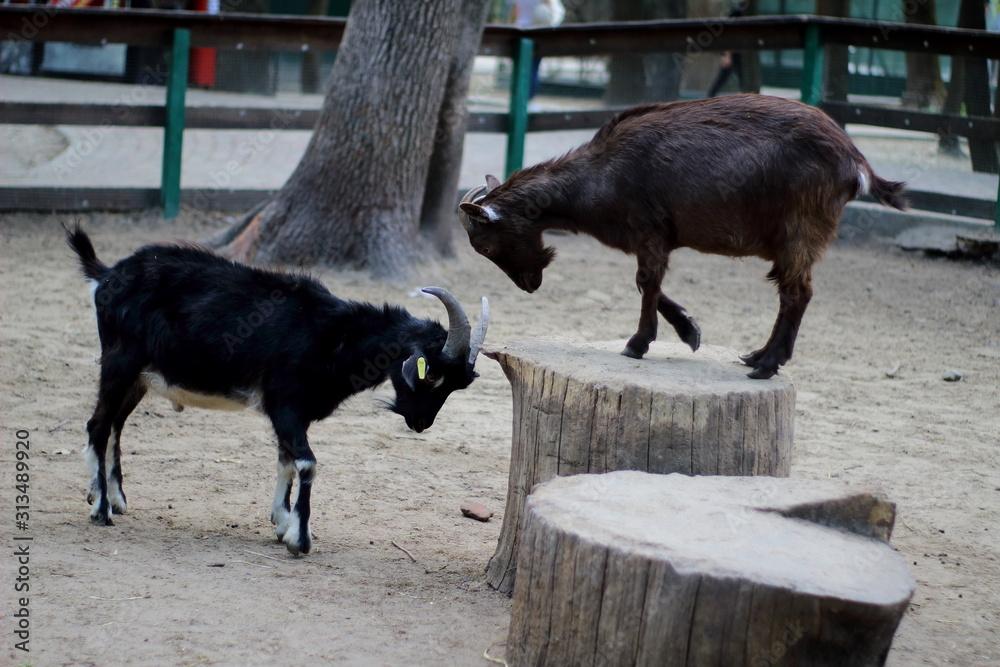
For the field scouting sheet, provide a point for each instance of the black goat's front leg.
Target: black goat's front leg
(794, 298)
(648, 278)
(294, 458)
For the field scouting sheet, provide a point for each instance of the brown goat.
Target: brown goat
(742, 175)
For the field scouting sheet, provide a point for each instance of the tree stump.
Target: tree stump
(587, 409)
(629, 568)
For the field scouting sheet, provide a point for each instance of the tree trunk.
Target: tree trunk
(437, 219)
(309, 75)
(589, 409)
(629, 568)
(356, 197)
(837, 82)
(923, 71)
(652, 78)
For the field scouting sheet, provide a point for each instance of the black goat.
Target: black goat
(204, 331)
(742, 175)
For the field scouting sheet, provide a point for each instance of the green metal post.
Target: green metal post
(517, 120)
(812, 65)
(173, 124)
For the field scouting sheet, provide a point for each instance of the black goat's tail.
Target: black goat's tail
(889, 193)
(92, 268)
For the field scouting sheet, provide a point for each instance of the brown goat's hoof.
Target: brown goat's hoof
(761, 373)
(692, 337)
(632, 354)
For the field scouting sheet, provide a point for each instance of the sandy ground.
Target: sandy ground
(192, 575)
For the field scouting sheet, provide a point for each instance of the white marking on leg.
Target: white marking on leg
(288, 530)
(91, 458)
(304, 464)
(114, 491)
(286, 473)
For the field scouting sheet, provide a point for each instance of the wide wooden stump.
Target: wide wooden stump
(629, 568)
(587, 409)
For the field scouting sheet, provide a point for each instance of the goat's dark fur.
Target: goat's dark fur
(743, 175)
(205, 331)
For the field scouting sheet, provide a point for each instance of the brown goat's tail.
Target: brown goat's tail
(92, 268)
(889, 193)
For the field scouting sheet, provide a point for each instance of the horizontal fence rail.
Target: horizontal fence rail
(681, 38)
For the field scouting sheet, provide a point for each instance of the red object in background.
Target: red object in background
(201, 70)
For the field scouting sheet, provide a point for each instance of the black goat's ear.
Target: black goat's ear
(415, 370)
(492, 183)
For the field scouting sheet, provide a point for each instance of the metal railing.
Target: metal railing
(180, 31)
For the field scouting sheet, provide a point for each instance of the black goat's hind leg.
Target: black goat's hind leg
(113, 453)
(117, 396)
(683, 324)
(99, 430)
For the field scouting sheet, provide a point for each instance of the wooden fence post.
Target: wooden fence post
(173, 124)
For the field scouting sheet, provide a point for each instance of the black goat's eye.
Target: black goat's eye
(484, 250)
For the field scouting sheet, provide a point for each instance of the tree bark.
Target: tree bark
(837, 81)
(309, 75)
(924, 86)
(437, 218)
(651, 78)
(356, 197)
(629, 568)
(588, 410)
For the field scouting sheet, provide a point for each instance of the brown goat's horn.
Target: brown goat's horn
(459, 330)
(472, 195)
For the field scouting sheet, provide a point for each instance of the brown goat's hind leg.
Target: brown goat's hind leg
(683, 324)
(778, 349)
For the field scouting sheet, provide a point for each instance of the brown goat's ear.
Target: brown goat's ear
(492, 183)
(474, 211)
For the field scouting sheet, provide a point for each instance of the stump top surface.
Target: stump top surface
(729, 527)
(667, 367)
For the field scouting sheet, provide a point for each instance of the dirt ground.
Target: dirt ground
(192, 574)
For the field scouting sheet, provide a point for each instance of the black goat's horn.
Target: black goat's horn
(479, 335)
(459, 330)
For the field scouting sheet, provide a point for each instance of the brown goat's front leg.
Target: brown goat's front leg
(683, 324)
(794, 298)
(648, 278)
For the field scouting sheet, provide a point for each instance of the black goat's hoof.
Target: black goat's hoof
(752, 358)
(99, 520)
(762, 373)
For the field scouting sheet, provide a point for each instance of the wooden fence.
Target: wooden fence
(180, 31)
